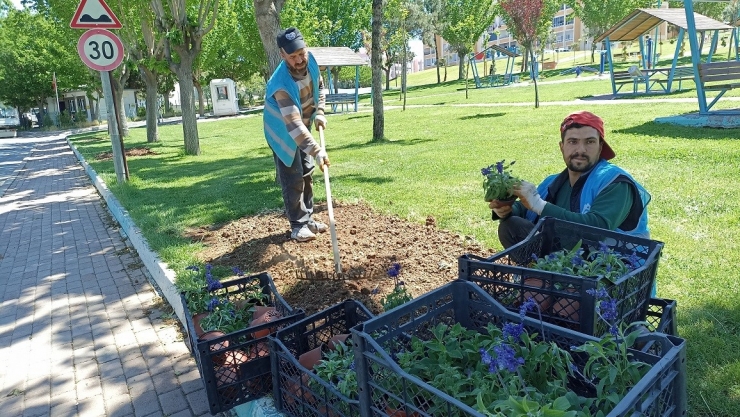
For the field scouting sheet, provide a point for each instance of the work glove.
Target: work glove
(530, 198)
(502, 210)
(319, 121)
(322, 158)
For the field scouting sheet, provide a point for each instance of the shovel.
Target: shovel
(330, 209)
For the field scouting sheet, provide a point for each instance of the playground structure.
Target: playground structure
(710, 76)
(493, 79)
(647, 78)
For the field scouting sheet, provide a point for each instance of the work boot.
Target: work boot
(302, 234)
(317, 227)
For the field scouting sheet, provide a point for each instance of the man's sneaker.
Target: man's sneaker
(302, 234)
(318, 227)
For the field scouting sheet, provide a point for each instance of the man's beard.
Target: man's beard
(298, 70)
(584, 165)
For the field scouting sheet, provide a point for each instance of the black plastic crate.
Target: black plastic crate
(298, 391)
(661, 316)
(563, 299)
(661, 392)
(235, 368)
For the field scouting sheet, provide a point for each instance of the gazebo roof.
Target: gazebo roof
(503, 50)
(336, 56)
(641, 21)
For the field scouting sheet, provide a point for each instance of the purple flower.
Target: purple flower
(208, 267)
(394, 270)
(485, 357)
(608, 309)
(237, 271)
(506, 358)
(528, 305)
(486, 171)
(500, 166)
(513, 330)
(577, 261)
(213, 285)
(634, 261)
(604, 248)
(213, 304)
(600, 294)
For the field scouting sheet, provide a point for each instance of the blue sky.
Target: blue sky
(17, 4)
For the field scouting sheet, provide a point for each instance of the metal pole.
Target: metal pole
(56, 91)
(115, 138)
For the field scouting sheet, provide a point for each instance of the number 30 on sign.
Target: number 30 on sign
(100, 49)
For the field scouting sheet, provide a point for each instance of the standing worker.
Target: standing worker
(294, 100)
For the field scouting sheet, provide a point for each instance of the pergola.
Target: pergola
(328, 57)
(641, 21)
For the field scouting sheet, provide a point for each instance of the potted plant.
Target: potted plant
(498, 182)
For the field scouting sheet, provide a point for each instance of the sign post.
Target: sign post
(102, 50)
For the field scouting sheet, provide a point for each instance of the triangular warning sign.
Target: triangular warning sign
(94, 14)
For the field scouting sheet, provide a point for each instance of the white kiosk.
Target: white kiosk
(223, 95)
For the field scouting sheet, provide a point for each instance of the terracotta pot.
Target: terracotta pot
(266, 316)
(196, 323)
(567, 308)
(336, 339)
(544, 300)
(215, 334)
(257, 351)
(260, 310)
(312, 357)
(392, 412)
(226, 375)
(295, 388)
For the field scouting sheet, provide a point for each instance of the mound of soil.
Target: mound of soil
(369, 243)
(104, 156)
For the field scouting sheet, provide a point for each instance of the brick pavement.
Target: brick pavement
(81, 328)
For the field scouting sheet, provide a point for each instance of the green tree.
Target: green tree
(184, 27)
(600, 15)
(464, 22)
(431, 25)
(41, 50)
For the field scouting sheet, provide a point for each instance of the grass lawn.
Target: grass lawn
(430, 165)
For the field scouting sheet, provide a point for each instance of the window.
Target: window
(568, 36)
(558, 21)
(569, 20)
(81, 103)
(222, 92)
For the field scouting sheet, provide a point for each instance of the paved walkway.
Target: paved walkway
(81, 329)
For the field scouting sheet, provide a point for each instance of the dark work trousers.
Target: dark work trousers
(513, 230)
(297, 185)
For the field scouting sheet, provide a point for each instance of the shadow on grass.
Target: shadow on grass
(662, 130)
(482, 116)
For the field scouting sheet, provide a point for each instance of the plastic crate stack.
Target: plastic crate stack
(388, 390)
(235, 368)
(563, 299)
(297, 390)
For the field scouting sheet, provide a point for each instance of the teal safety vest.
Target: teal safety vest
(276, 132)
(603, 174)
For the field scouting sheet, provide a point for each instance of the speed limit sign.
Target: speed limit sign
(100, 49)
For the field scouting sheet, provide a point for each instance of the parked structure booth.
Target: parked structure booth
(339, 56)
(223, 93)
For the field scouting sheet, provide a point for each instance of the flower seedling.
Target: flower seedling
(399, 295)
(498, 183)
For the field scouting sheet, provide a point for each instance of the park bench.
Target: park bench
(683, 73)
(340, 100)
(719, 76)
(622, 78)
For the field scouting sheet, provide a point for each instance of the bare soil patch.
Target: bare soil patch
(369, 243)
(104, 156)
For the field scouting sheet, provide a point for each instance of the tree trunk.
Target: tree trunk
(267, 14)
(461, 66)
(445, 80)
(201, 106)
(152, 109)
(117, 87)
(436, 56)
(187, 103)
(376, 63)
(387, 78)
(534, 79)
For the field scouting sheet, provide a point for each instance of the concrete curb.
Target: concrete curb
(163, 276)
